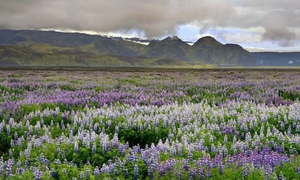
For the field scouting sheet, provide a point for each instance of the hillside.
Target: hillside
(24, 56)
(29, 37)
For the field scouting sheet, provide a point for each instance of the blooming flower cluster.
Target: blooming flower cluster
(149, 125)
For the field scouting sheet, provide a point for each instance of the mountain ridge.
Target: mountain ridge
(84, 49)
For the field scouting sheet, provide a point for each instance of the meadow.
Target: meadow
(202, 124)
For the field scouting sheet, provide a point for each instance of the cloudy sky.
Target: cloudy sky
(254, 24)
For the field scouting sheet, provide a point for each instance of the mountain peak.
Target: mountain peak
(207, 41)
(175, 38)
(169, 38)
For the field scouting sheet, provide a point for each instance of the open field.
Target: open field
(148, 123)
(158, 68)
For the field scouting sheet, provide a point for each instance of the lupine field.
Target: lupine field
(231, 124)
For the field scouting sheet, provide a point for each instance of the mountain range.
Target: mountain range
(50, 48)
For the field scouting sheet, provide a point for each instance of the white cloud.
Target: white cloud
(240, 37)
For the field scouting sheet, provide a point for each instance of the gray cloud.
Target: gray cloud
(156, 17)
(276, 29)
(280, 20)
(267, 4)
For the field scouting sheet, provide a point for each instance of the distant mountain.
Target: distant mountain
(277, 58)
(43, 48)
(206, 50)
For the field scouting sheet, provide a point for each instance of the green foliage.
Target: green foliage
(289, 169)
(289, 95)
(28, 108)
(12, 76)
(127, 80)
(198, 94)
(67, 87)
(5, 143)
(142, 137)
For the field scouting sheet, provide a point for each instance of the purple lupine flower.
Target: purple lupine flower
(186, 166)
(150, 172)
(192, 173)
(9, 166)
(19, 171)
(96, 171)
(219, 162)
(179, 151)
(136, 171)
(42, 158)
(201, 170)
(115, 141)
(268, 171)
(53, 173)
(38, 174)
(57, 161)
(125, 172)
